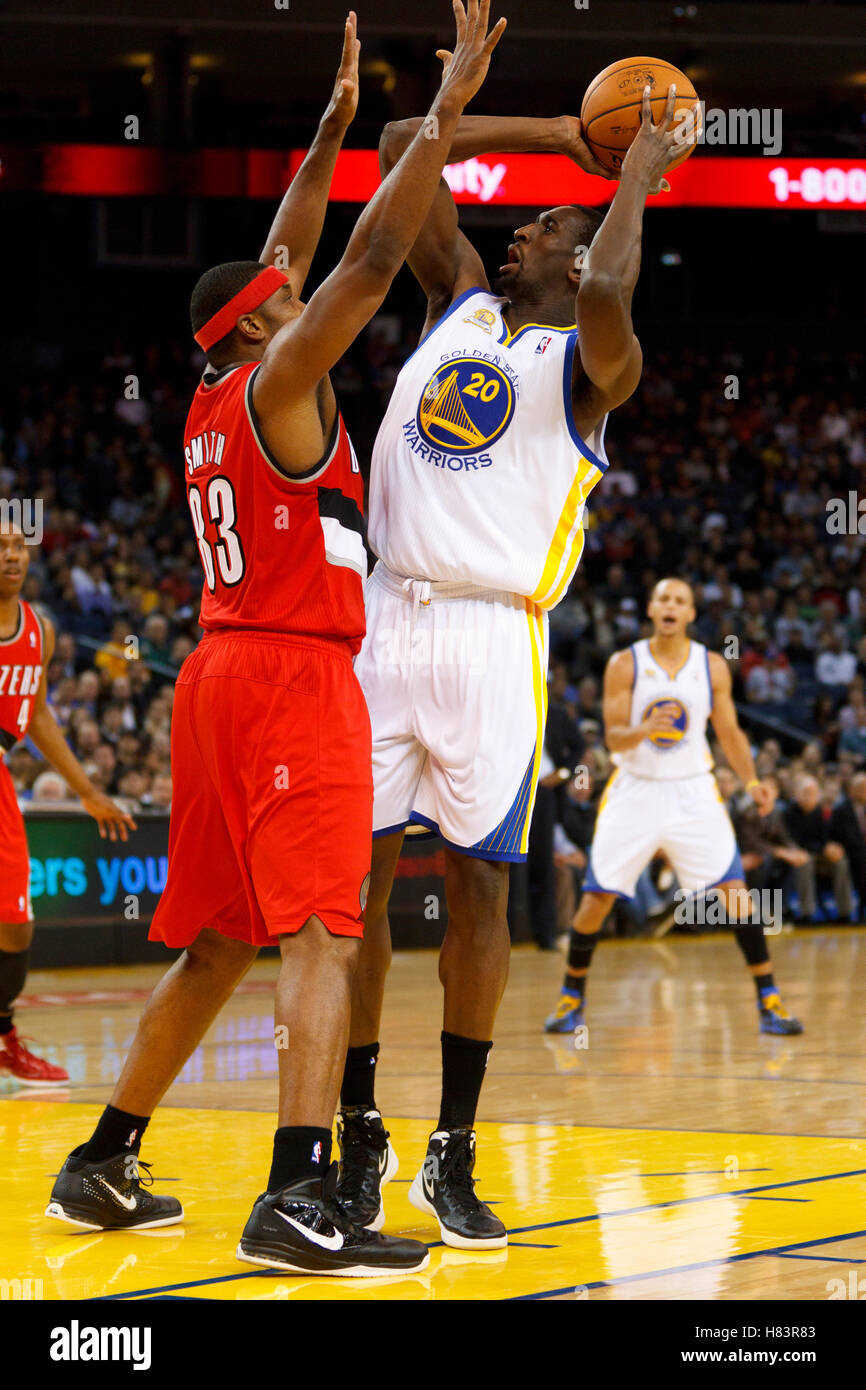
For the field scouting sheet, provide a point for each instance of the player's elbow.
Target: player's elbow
(394, 139)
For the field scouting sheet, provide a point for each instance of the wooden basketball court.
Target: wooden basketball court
(680, 1155)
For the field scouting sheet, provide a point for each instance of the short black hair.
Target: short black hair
(590, 219)
(213, 291)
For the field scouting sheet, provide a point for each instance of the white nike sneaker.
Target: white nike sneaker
(304, 1228)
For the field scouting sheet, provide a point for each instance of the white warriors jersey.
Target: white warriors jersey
(682, 751)
(479, 475)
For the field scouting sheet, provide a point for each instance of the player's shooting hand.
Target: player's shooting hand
(575, 147)
(114, 823)
(344, 101)
(465, 69)
(655, 147)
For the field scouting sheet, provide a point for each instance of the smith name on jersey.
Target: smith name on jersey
(281, 553)
(21, 667)
(479, 475)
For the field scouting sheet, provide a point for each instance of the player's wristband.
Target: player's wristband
(755, 782)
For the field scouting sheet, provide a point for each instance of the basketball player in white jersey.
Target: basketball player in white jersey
(491, 443)
(658, 695)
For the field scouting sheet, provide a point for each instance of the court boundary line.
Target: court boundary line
(774, 1251)
(548, 1225)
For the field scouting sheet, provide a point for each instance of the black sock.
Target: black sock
(463, 1064)
(580, 948)
(753, 945)
(359, 1077)
(13, 973)
(117, 1130)
(764, 983)
(300, 1151)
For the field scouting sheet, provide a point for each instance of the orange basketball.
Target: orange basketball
(611, 110)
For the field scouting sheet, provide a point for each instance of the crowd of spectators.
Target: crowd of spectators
(731, 470)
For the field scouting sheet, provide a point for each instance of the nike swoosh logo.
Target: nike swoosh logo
(128, 1202)
(334, 1242)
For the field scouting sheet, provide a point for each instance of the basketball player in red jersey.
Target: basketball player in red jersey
(26, 649)
(272, 813)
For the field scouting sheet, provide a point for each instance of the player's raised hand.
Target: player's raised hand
(465, 69)
(344, 101)
(114, 823)
(575, 147)
(655, 147)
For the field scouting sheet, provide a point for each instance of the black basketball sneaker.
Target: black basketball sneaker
(109, 1196)
(305, 1229)
(367, 1162)
(445, 1188)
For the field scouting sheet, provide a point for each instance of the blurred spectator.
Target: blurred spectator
(848, 828)
(765, 842)
(809, 828)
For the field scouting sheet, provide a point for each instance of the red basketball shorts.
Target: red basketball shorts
(272, 799)
(14, 856)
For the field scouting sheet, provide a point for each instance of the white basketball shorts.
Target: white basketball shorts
(684, 818)
(456, 684)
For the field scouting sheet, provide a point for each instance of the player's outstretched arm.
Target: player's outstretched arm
(113, 822)
(296, 229)
(443, 260)
(308, 346)
(619, 732)
(609, 352)
(735, 744)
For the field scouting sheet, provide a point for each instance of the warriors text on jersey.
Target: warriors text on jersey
(479, 475)
(280, 553)
(21, 666)
(681, 751)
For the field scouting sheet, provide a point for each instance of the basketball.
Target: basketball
(611, 110)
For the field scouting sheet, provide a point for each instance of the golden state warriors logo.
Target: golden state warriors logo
(466, 405)
(663, 739)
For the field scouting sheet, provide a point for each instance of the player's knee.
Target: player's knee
(15, 936)
(592, 911)
(212, 951)
(314, 939)
(476, 891)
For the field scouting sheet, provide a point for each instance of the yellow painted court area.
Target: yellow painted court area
(588, 1211)
(680, 1155)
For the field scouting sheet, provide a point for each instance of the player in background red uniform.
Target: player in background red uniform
(272, 806)
(26, 649)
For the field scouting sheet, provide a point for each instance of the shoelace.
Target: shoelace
(455, 1165)
(147, 1179)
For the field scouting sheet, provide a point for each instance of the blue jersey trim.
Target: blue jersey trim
(567, 367)
(732, 872)
(709, 677)
(389, 829)
(461, 298)
(591, 884)
(471, 851)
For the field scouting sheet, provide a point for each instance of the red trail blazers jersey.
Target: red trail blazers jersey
(21, 664)
(280, 554)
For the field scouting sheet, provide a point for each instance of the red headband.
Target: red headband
(249, 298)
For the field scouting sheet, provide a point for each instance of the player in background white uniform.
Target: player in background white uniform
(658, 696)
(491, 443)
